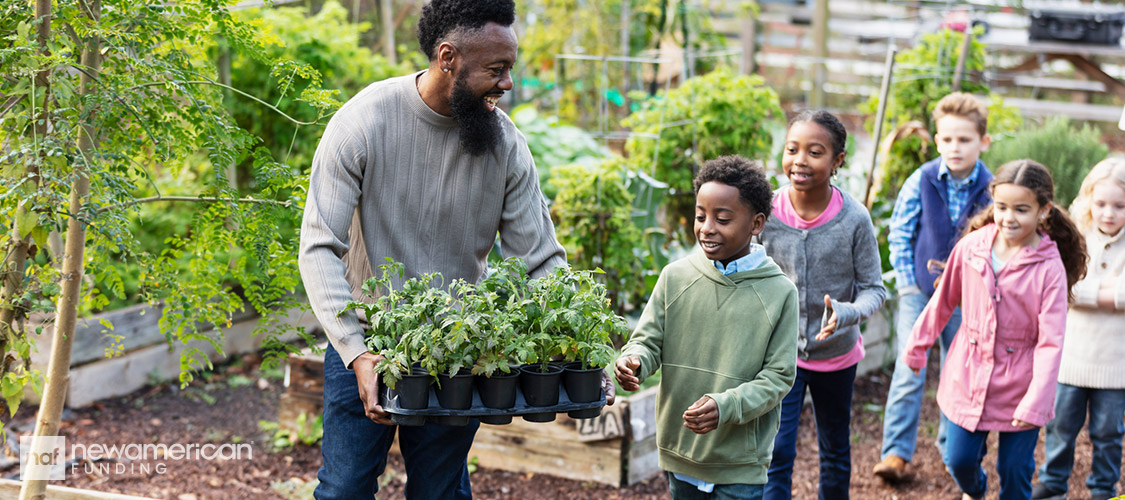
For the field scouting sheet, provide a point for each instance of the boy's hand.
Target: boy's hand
(829, 325)
(625, 370)
(703, 416)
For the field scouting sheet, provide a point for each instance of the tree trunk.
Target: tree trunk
(58, 370)
(12, 269)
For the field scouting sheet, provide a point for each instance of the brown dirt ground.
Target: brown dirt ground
(227, 407)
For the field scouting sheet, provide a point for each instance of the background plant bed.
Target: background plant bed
(145, 355)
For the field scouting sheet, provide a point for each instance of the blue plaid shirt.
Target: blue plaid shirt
(908, 209)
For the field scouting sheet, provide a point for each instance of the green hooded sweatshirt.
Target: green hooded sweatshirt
(732, 338)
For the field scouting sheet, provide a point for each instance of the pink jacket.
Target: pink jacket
(997, 370)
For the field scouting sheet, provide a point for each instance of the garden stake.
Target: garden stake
(885, 88)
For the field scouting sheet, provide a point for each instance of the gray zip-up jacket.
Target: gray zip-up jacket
(839, 258)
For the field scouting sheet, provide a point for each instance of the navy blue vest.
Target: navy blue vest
(936, 234)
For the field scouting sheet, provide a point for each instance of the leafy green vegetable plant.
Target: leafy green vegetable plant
(715, 114)
(506, 319)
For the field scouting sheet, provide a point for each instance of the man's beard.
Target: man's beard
(480, 128)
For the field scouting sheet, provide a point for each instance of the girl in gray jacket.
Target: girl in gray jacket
(823, 239)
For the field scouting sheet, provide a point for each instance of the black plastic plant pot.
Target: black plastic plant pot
(540, 388)
(583, 386)
(496, 419)
(499, 390)
(413, 391)
(456, 392)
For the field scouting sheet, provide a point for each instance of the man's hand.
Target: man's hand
(703, 416)
(609, 388)
(368, 382)
(626, 372)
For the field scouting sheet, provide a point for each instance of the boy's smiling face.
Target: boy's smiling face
(724, 224)
(960, 144)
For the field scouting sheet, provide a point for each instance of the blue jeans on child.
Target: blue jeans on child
(1015, 461)
(832, 409)
(681, 490)
(1107, 409)
(354, 448)
(904, 398)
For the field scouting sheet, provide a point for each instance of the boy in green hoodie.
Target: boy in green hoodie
(722, 323)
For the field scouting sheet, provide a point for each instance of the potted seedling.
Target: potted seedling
(488, 324)
(397, 333)
(579, 311)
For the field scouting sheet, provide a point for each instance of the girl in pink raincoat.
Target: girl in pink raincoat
(1011, 276)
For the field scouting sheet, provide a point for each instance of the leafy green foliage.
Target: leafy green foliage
(923, 75)
(309, 432)
(594, 28)
(553, 144)
(1067, 150)
(295, 44)
(593, 219)
(153, 112)
(708, 116)
(506, 319)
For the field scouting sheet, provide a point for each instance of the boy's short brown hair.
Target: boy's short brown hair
(965, 106)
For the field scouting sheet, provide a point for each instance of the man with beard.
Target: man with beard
(426, 170)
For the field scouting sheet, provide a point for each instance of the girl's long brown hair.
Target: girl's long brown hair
(1034, 176)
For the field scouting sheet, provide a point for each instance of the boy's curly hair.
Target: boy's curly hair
(747, 175)
(442, 17)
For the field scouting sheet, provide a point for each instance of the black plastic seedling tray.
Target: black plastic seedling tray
(435, 413)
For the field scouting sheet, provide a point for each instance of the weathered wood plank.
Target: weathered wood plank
(125, 374)
(292, 406)
(516, 448)
(10, 490)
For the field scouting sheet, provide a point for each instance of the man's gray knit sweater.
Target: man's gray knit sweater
(390, 179)
(839, 258)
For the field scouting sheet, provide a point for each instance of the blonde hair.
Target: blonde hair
(1108, 169)
(964, 106)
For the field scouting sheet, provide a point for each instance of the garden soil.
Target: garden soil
(227, 407)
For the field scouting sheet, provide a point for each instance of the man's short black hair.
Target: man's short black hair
(748, 176)
(442, 17)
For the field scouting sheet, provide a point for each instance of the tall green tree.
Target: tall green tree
(97, 98)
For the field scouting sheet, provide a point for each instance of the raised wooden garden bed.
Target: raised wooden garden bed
(147, 354)
(617, 448)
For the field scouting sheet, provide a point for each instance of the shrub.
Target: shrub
(593, 221)
(1065, 149)
(716, 114)
(553, 144)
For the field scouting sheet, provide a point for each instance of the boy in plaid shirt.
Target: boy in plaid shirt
(930, 214)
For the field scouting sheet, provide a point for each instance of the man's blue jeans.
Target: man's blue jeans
(687, 491)
(1107, 408)
(354, 448)
(832, 409)
(904, 398)
(1015, 461)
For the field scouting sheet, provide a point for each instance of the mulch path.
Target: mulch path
(228, 406)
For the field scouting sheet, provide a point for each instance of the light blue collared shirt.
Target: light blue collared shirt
(747, 262)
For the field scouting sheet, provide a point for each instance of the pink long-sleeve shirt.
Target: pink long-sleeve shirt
(1004, 361)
